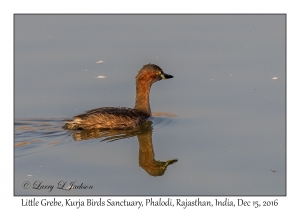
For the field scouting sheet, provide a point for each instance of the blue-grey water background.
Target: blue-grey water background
(225, 106)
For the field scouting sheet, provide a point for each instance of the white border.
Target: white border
(8, 8)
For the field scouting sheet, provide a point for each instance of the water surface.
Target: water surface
(220, 122)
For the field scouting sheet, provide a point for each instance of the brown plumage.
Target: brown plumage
(122, 118)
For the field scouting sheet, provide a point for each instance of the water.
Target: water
(219, 124)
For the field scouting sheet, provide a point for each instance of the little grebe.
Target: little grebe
(122, 118)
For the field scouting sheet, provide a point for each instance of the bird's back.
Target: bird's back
(107, 118)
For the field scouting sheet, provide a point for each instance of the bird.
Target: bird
(120, 118)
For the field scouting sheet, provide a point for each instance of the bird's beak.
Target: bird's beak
(166, 76)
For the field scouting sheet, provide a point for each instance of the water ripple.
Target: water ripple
(162, 119)
(34, 135)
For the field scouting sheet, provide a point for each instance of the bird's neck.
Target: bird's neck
(142, 97)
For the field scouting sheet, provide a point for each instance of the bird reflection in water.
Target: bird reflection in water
(144, 134)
